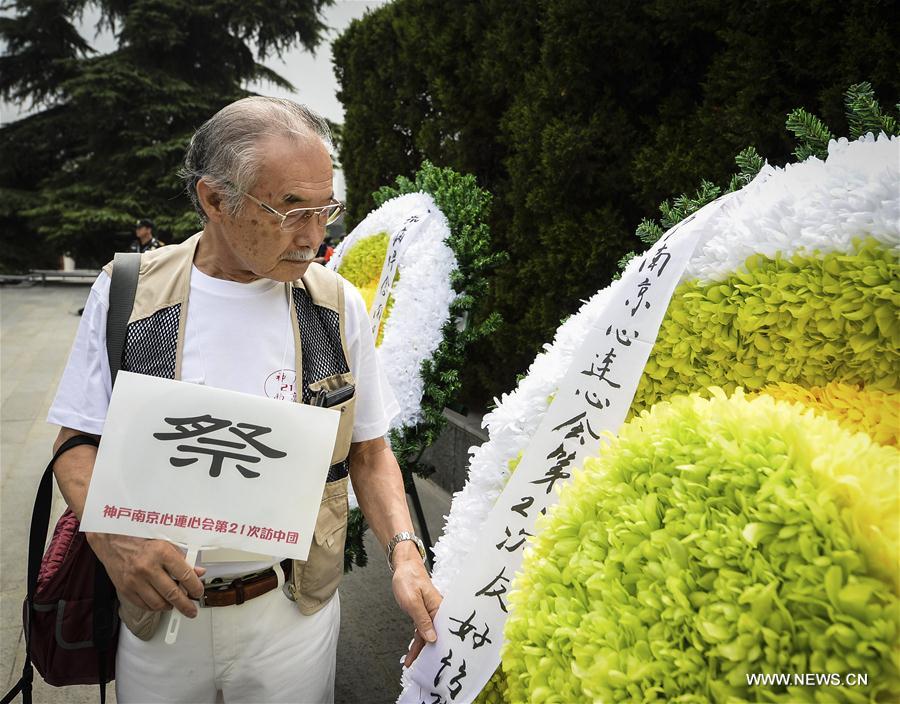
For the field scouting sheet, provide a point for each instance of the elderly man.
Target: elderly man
(230, 307)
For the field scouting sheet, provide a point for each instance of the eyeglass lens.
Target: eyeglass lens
(326, 216)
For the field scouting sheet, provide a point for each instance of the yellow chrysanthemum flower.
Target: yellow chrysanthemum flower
(362, 266)
(874, 412)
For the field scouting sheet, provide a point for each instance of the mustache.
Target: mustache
(305, 254)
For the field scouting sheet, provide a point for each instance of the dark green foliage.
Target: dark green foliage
(354, 549)
(467, 208)
(863, 115)
(40, 46)
(648, 231)
(105, 149)
(426, 79)
(622, 263)
(581, 116)
(749, 163)
(684, 205)
(811, 133)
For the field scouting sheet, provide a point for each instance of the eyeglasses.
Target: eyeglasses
(298, 218)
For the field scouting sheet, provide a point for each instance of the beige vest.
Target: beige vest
(160, 311)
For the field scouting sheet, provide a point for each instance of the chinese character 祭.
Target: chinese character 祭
(237, 304)
(217, 448)
(746, 519)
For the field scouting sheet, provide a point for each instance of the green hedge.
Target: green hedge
(580, 116)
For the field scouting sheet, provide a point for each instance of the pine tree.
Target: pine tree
(864, 114)
(105, 148)
(41, 43)
(811, 133)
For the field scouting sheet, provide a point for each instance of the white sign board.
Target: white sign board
(210, 468)
(592, 401)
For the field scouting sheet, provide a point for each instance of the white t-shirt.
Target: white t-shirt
(238, 337)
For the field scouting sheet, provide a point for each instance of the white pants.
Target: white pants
(261, 652)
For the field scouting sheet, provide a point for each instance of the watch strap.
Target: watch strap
(399, 538)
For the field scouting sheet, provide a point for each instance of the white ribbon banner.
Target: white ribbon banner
(210, 468)
(593, 399)
(391, 260)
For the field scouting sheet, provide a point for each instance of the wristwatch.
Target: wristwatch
(399, 538)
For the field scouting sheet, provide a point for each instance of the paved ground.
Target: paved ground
(37, 325)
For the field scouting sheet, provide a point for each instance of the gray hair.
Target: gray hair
(224, 151)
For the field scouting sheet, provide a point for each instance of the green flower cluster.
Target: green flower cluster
(714, 538)
(495, 691)
(804, 319)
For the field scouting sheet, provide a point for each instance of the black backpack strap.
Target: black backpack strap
(105, 622)
(40, 516)
(122, 287)
(23, 686)
(126, 267)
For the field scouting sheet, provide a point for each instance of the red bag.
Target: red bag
(63, 643)
(70, 614)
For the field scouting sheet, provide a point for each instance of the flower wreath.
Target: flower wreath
(419, 303)
(726, 532)
(442, 267)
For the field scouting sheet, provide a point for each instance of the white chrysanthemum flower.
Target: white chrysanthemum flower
(814, 206)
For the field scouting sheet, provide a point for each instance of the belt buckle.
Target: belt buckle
(216, 584)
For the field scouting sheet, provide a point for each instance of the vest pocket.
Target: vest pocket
(346, 409)
(331, 383)
(316, 580)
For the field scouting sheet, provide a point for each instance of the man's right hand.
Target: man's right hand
(151, 574)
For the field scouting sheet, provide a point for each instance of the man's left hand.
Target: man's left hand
(416, 595)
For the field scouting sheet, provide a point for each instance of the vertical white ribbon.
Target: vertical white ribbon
(410, 226)
(593, 400)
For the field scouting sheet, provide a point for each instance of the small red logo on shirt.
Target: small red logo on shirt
(280, 385)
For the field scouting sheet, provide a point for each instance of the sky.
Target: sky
(312, 75)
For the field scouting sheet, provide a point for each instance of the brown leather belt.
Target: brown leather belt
(239, 590)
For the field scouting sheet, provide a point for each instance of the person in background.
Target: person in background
(144, 240)
(324, 253)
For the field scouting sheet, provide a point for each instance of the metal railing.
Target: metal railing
(42, 276)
